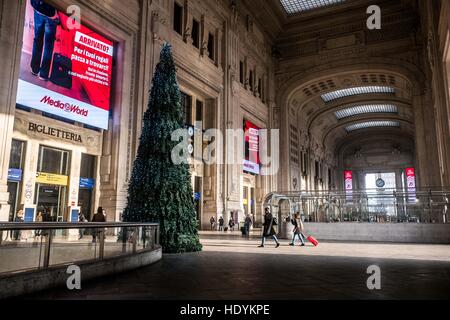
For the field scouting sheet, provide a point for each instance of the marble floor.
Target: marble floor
(231, 267)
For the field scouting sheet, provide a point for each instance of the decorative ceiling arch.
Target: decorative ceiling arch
(335, 142)
(338, 130)
(357, 139)
(301, 103)
(367, 68)
(403, 107)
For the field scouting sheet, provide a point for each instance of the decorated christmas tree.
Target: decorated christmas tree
(160, 190)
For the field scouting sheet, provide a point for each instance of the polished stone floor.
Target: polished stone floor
(230, 267)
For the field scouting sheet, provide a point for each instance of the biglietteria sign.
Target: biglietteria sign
(57, 133)
(65, 71)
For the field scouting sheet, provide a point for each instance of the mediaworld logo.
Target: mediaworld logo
(67, 107)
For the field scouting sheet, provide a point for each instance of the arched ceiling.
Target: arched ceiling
(349, 104)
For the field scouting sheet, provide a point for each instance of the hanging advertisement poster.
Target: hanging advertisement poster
(251, 140)
(348, 180)
(64, 71)
(411, 184)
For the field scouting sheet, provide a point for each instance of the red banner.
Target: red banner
(411, 184)
(348, 178)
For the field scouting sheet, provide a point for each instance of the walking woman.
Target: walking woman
(269, 230)
(298, 229)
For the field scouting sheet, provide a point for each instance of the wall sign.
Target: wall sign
(87, 183)
(57, 133)
(74, 215)
(15, 175)
(29, 214)
(50, 178)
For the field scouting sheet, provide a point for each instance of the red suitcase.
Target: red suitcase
(313, 241)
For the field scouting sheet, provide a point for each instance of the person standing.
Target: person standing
(213, 223)
(81, 218)
(39, 218)
(98, 217)
(269, 230)
(221, 222)
(247, 224)
(231, 224)
(19, 218)
(298, 230)
(46, 21)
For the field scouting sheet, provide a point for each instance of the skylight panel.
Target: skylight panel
(372, 124)
(356, 91)
(297, 6)
(365, 109)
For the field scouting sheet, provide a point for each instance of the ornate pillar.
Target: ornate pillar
(11, 32)
(427, 159)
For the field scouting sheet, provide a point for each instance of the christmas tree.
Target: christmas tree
(161, 191)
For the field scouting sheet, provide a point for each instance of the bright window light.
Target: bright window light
(356, 91)
(370, 108)
(295, 6)
(372, 124)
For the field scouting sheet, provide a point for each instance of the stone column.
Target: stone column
(398, 179)
(29, 175)
(427, 158)
(11, 31)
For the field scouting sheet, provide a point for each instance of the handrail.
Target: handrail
(386, 205)
(71, 225)
(45, 244)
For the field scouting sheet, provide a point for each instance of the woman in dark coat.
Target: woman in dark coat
(98, 217)
(269, 230)
(298, 230)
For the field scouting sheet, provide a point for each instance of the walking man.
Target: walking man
(247, 224)
(269, 230)
(221, 222)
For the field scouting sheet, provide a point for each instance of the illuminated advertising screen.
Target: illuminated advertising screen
(251, 140)
(65, 71)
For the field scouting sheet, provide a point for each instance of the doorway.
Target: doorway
(51, 183)
(51, 200)
(381, 205)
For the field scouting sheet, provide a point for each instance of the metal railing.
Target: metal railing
(34, 246)
(377, 205)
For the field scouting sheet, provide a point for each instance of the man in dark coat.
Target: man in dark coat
(269, 230)
(98, 217)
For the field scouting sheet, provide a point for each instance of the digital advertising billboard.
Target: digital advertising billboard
(251, 142)
(64, 71)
